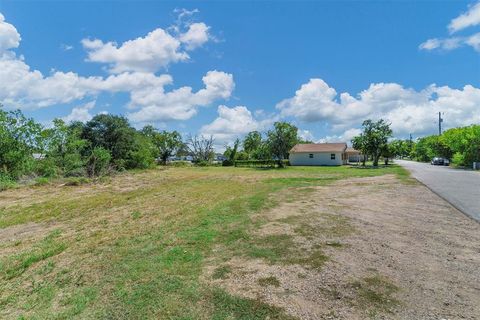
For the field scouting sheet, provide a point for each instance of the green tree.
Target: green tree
(112, 133)
(166, 143)
(98, 162)
(431, 146)
(231, 153)
(389, 151)
(360, 143)
(20, 137)
(375, 137)
(281, 139)
(252, 142)
(142, 155)
(64, 148)
(464, 142)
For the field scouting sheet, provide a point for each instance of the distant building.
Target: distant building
(38, 156)
(318, 154)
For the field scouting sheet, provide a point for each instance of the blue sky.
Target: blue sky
(325, 66)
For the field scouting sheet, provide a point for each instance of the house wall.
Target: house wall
(319, 159)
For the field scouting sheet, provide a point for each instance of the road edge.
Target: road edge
(442, 197)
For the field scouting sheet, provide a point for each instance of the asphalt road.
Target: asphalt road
(459, 187)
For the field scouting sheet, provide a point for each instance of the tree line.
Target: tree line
(108, 143)
(274, 145)
(461, 145)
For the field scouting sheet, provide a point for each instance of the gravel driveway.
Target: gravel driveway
(459, 187)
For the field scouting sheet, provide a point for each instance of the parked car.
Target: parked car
(439, 161)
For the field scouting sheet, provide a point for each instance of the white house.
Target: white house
(318, 154)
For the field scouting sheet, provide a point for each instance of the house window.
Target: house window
(310, 155)
(332, 156)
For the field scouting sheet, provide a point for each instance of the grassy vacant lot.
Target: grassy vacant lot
(136, 246)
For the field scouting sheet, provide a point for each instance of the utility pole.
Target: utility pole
(440, 120)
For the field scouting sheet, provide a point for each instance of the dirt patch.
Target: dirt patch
(395, 251)
(29, 230)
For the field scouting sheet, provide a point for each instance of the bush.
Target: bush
(41, 181)
(458, 159)
(46, 168)
(268, 163)
(140, 160)
(203, 163)
(179, 164)
(227, 163)
(6, 182)
(98, 162)
(76, 181)
(73, 165)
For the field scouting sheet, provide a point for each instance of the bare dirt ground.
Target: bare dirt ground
(391, 251)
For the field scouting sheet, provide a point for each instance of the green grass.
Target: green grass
(230, 307)
(15, 265)
(375, 294)
(269, 281)
(221, 272)
(135, 246)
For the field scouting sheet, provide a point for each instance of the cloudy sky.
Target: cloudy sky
(230, 68)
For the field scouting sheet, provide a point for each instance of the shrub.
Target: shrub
(142, 155)
(458, 159)
(46, 168)
(180, 164)
(98, 162)
(41, 181)
(6, 182)
(203, 163)
(227, 163)
(73, 165)
(268, 163)
(76, 181)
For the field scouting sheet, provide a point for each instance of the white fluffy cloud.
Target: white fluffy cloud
(9, 37)
(347, 136)
(452, 43)
(465, 20)
(233, 123)
(408, 110)
(468, 19)
(80, 113)
(151, 53)
(196, 35)
(181, 104)
(25, 88)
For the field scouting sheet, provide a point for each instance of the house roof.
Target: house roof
(319, 147)
(353, 151)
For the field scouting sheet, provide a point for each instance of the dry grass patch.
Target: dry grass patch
(135, 246)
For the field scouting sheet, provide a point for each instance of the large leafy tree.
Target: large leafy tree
(375, 138)
(20, 137)
(401, 148)
(281, 139)
(252, 142)
(64, 147)
(360, 143)
(166, 143)
(112, 133)
(431, 146)
(464, 143)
